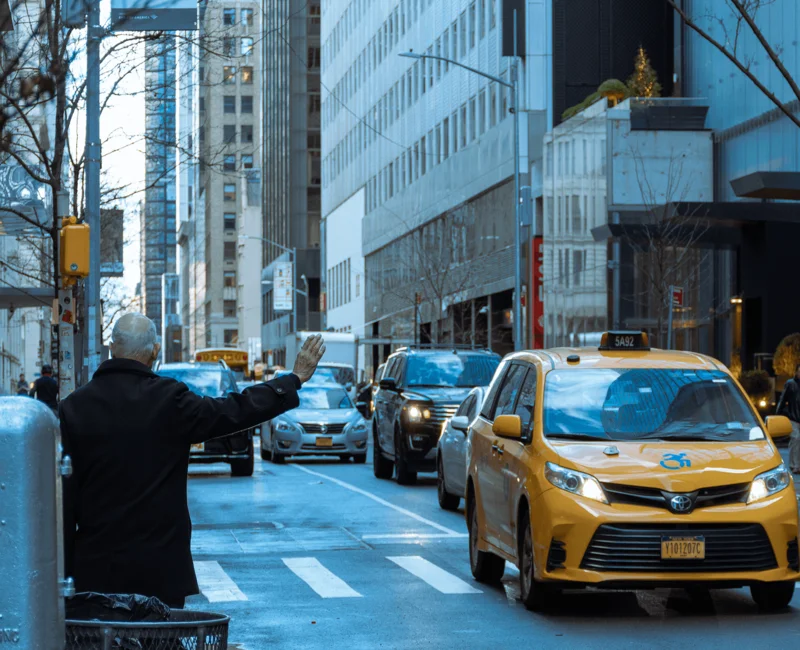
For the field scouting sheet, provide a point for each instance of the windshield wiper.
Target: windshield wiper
(682, 436)
(575, 436)
(429, 386)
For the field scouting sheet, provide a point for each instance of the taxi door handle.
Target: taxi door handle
(498, 449)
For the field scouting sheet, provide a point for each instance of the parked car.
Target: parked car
(326, 423)
(451, 463)
(419, 390)
(215, 380)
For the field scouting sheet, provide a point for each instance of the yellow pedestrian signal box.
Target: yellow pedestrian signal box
(74, 248)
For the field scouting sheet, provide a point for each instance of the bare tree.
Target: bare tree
(664, 243)
(743, 16)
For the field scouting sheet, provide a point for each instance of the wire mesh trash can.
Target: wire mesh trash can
(186, 630)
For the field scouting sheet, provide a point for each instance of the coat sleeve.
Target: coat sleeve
(68, 500)
(204, 418)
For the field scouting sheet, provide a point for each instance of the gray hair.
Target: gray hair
(134, 337)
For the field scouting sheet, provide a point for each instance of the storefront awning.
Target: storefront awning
(768, 185)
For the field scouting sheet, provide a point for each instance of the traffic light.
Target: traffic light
(74, 256)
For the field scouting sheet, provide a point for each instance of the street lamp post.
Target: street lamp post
(293, 252)
(517, 311)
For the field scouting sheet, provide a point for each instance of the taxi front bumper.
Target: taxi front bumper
(585, 542)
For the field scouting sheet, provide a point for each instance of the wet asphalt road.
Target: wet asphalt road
(320, 554)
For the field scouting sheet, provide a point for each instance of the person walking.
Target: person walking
(45, 389)
(128, 432)
(22, 385)
(789, 405)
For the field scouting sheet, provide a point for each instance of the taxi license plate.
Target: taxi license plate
(200, 446)
(324, 442)
(683, 548)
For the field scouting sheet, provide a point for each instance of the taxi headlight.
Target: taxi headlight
(769, 483)
(417, 413)
(575, 482)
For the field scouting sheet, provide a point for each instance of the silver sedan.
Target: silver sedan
(452, 458)
(326, 423)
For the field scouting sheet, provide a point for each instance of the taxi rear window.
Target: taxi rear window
(640, 404)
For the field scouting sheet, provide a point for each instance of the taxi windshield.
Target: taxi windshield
(324, 399)
(646, 404)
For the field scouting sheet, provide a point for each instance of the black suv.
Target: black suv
(215, 380)
(421, 388)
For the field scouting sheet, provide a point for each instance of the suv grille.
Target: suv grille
(637, 547)
(315, 427)
(442, 412)
(656, 498)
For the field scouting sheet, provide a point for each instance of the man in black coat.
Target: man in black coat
(789, 405)
(128, 432)
(45, 389)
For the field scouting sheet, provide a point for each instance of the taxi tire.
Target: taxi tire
(773, 596)
(535, 595)
(486, 567)
(447, 501)
(382, 467)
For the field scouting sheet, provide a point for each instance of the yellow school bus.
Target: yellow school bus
(236, 359)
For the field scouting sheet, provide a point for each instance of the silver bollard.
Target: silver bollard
(31, 543)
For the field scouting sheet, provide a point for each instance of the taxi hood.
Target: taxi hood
(671, 466)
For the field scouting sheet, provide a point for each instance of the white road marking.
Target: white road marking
(215, 584)
(415, 536)
(436, 577)
(316, 576)
(383, 502)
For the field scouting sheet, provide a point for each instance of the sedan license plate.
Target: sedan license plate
(683, 548)
(324, 442)
(200, 446)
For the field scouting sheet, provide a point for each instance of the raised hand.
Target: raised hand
(309, 357)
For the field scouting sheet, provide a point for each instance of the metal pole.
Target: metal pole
(294, 287)
(92, 180)
(518, 345)
(669, 326)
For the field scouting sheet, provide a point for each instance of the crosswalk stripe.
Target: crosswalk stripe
(215, 584)
(316, 576)
(436, 577)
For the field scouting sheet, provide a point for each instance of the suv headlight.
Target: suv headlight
(575, 482)
(417, 412)
(769, 483)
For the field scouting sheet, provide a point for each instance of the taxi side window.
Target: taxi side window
(508, 393)
(487, 411)
(526, 403)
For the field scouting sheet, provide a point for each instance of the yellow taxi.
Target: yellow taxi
(626, 467)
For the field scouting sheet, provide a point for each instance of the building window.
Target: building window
(472, 25)
(228, 133)
(472, 120)
(229, 251)
(247, 161)
(229, 219)
(492, 105)
(230, 337)
(229, 74)
(229, 16)
(247, 134)
(492, 14)
(229, 308)
(314, 141)
(247, 46)
(229, 103)
(482, 112)
(463, 33)
(229, 192)
(314, 58)
(247, 104)
(247, 17)
(463, 125)
(229, 163)
(246, 74)
(482, 17)
(229, 279)
(202, 104)
(229, 46)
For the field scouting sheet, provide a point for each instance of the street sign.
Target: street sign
(677, 296)
(153, 15)
(282, 288)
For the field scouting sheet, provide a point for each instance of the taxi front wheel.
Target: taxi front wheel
(535, 595)
(486, 567)
(772, 596)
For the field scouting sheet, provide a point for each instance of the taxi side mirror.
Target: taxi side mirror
(460, 423)
(778, 425)
(507, 426)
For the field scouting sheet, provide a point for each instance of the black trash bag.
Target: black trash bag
(127, 608)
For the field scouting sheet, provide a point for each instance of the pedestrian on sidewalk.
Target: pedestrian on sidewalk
(45, 389)
(789, 405)
(128, 432)
(22, 385)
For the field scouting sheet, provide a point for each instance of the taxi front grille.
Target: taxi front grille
(315, 427)
(655, 498)
(637, 547)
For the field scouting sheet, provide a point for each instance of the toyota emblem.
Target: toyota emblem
(681, 503)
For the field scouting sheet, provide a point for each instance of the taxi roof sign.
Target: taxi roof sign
(626, 341)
